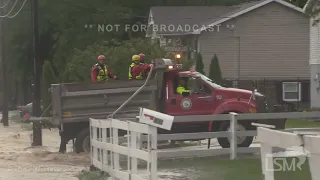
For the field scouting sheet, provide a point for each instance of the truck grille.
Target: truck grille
(261, 104)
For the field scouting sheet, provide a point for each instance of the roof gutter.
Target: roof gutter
(248, 10)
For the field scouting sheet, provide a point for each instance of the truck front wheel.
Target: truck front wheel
(243, 141)
(82, 143)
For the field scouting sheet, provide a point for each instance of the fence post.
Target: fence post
(311, 145)
(267, 161)
(154, 157)
(266, 156)
(115, 155)
(233, 135)
(91, 138)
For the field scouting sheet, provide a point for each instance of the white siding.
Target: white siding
(314, 43)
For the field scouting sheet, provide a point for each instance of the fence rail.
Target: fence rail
(233, 118)
(113, 148)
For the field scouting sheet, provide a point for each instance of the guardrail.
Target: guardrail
(105, 152)
(307, 139)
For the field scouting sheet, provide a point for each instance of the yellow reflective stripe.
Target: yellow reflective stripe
(130, 67)
(102, 74)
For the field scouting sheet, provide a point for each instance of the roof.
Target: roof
(200, 18)
(185, 15)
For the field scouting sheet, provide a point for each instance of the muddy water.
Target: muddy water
(20, 161)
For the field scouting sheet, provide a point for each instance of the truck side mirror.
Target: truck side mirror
(185, 94)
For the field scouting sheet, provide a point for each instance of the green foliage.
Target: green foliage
(199, 63)
(215, 71)
(93, 175)
(48, 78)
(187, 64)
(118, 58)
(72, 49)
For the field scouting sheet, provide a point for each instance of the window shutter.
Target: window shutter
(279, 90)
(305, 91)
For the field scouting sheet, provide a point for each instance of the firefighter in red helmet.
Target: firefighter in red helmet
(100, 71)
(145, 68)
(142, 57)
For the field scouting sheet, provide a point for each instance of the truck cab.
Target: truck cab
(74, 103)
(206, 98)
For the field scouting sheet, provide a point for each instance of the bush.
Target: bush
(199, 63)
(215, 71)
(48, 78)
(118, 58)
(187, 64)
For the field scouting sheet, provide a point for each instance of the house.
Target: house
(314, 55)
(265, 41)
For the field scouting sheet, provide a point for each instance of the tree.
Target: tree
(312, 8)
(48, 79)
(71, 48)
(118, 55)
(215, 71)
(199, 63)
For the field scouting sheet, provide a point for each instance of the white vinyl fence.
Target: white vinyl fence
(105, 151)
(309, 144)
(234, 119)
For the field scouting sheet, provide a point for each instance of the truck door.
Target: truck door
(203, 100)
(195, 104)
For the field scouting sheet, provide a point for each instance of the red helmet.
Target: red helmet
(141, 56)
(101, 57)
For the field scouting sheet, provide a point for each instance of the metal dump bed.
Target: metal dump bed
(78, 102)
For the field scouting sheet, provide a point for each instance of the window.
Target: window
(202, 87)
(291, 91)
(209, 81)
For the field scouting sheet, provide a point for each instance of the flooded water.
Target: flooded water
(20, 161)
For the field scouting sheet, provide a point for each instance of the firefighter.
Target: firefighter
(100, 71)
(145, 68)
(135, 68)
(142, 58)
(181, 86)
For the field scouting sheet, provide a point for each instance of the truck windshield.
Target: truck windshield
(209, 81)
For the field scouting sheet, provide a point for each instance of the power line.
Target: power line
(18, 10)
(15, 3)
(5, 4)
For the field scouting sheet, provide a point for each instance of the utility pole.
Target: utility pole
(5, 113)
(36, 105)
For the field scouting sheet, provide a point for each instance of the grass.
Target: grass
(92, 175)
(299, 123)
(248, 169)
(212, 168)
